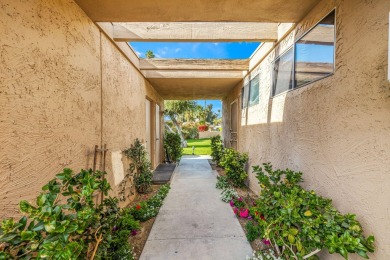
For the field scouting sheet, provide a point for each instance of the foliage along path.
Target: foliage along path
(194, 223)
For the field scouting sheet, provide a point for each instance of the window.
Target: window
(314, 52)
(283, 72)
(254, 91)
(244, 96)
(310, 59)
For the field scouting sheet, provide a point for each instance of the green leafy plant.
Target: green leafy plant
(217, 149)
(148, 209)
(140, 167)
(299, 223)
(222, 183)
(116, 226)
(228, 194)
(172, 144)
(252, 231)
(234, 164)
(64, 222)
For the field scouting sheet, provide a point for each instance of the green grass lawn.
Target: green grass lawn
(202, 146)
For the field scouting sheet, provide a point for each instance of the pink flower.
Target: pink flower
(235, 210)
(240, 199)
(134, 232)
(231, 203)
(249, 217)
(244, 213)
(266, 242)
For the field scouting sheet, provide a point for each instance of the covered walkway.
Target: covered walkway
(193, 222)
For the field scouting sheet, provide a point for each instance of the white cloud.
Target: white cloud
(177, 50)
(139, 53)
(157, 55)
(216, 43)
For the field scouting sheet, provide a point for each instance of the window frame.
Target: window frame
(249, 91)
(334, 50)
(292, 47)
(245, 105)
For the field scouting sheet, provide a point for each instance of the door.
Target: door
(157, 137)
(234, 124)
(148, 128)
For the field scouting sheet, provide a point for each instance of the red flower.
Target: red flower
(262, 217)
(138, 207)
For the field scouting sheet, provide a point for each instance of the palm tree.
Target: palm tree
(149, 54)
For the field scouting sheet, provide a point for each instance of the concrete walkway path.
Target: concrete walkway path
(194, 223)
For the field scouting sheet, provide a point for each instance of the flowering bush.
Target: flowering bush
(264, 255)
(203, 128)
(148, 209)
(303, 222)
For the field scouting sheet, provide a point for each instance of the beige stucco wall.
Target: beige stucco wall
(337, 130)
(60, 96)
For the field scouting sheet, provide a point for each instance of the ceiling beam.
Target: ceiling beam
(192, 74)
(193, 64)
(196, 32)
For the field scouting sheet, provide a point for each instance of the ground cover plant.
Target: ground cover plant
(202, 147)
(148, 209)
(140, 166)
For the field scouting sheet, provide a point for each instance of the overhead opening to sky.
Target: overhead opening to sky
(196, 50)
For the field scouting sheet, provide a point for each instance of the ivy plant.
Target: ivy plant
(234, 165)
(140, 167)
(299, 223)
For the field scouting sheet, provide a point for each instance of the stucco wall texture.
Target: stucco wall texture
(336, 130)
(64, 88)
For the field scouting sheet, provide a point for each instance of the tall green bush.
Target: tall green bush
(234, 165)
(217, 149)
(172, 144)
(303, 222)
(140, 167)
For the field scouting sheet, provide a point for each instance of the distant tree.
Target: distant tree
(149, 54)
(176, 109)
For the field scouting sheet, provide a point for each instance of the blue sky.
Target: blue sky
(194, 50)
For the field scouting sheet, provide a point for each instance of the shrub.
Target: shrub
(65, 223)
(252, 231)
(203, 128)
(228, 194)
(222, 183)
(302, 221)
(140, 167)
(234, 164)
(172, 144)
(190, 131)
(217, 149)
